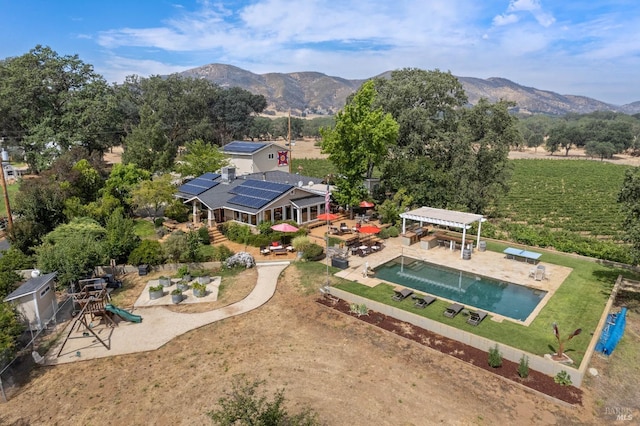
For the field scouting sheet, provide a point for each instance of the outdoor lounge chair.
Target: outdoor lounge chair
(402, 294)
(453, 310)
(476, 317)
(425, 301)
(265, 250)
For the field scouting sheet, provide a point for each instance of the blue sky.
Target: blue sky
(589, 48)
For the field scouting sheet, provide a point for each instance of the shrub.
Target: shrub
(258, 240)
(384, 233)
(393, 231)
(495, 357)
(245, 404)
(359, 310)
(182, 271)
(563, 378)
(158, 221)
(149, 252)
(221, 253)
(240, 259)
(203, 236)
(177, 211)
(312, 251)
(301, 243)
(523, 367)
(237, 232)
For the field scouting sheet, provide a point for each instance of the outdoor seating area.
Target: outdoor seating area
(276, 248)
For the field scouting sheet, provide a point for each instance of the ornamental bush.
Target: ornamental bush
(523, 367)
(495, 357)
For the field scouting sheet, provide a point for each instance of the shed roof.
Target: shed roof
(31, 286)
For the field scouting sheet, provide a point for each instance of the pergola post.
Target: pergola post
(464, 234)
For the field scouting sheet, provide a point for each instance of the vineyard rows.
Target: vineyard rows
(576, 196)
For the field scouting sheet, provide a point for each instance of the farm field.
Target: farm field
(574, 195)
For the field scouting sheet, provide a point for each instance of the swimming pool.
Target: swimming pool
(507, 299)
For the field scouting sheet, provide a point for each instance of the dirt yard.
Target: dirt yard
(347, 371)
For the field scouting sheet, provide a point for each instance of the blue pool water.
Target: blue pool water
(507, 299)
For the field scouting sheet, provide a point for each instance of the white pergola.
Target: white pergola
(444, 217)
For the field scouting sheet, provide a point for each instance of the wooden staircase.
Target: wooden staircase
(216, 236)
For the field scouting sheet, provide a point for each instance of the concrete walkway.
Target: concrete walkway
(159, 325)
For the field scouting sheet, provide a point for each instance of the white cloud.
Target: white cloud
(505, 19)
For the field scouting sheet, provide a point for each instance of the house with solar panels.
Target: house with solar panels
(254, 197)
(256, 157)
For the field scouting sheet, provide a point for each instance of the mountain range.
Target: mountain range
(318, 93)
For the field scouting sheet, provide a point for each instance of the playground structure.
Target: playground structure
(92, 302)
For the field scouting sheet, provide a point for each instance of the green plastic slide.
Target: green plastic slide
(125, 315)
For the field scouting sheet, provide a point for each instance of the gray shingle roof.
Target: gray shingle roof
(31, 286)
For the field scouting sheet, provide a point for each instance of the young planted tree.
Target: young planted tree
(559, 355)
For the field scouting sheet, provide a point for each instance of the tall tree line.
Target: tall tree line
(50, 103)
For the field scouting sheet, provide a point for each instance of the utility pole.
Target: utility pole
(6, 194)
(289, 142)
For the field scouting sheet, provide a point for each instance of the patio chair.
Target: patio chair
(476, 317)
(453, 310)
(344, 227)
(264, 250)
(425, 301)
(400, 295)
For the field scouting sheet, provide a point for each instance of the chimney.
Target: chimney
(228, 174)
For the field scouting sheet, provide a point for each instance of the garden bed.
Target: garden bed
(509, 370)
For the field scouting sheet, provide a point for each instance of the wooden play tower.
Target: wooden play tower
(92, 300)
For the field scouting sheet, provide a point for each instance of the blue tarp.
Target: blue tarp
(612, 332)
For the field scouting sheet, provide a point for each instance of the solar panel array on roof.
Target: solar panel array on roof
(200, 184)
(243, 147)
(257, 193)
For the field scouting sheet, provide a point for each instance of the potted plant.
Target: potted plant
(183, 272)
(164, 281)
(199, 290)
(182, 285)
(156, 291)
(176, 296)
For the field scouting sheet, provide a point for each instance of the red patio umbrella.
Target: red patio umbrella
(369, 229)
(327, 216)
(284, 227)
(366, 204)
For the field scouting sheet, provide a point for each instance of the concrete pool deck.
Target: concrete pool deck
(489, 264)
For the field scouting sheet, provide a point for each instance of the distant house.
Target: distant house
(256, 157)
(36, 300)
(11, 173)
(254, 198)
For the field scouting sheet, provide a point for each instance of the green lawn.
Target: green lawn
(578, 303)
(144, 229)
(12, 190)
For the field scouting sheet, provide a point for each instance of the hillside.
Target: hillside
(317, 93)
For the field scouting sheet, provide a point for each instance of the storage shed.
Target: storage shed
(36, 300)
